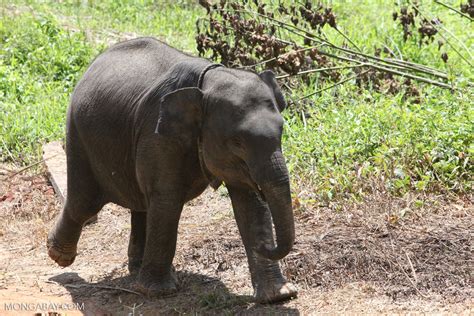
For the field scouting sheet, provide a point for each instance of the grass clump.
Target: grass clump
(40, 65)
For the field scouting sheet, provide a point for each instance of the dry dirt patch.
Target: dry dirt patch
(365, 259)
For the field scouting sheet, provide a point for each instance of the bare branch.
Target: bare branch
(454, 9)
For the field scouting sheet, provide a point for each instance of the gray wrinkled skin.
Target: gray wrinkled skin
(132, 138)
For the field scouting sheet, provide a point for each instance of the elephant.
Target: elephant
(149, 128)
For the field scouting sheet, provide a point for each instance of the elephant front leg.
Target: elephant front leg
(255, 225)
(156, 276)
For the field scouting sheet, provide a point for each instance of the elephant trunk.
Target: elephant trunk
(274, 182)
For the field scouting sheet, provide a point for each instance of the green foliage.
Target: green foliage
(41, 62)
(343, 142)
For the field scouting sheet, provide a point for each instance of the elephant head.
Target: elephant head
(237, 116)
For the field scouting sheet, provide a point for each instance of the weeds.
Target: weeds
(41, 63)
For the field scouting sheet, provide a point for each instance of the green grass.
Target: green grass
(47, 46)
(40, 65)
(347, 138)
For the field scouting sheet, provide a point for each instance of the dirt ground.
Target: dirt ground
(382, 255)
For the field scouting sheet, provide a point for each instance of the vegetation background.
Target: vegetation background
(339, 144)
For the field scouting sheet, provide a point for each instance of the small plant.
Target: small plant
(218, 299)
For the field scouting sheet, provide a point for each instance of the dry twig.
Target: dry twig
(454, 9)
(30, 166)
(96, 286)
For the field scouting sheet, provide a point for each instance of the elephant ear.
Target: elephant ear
(268, 77)
(180, 114)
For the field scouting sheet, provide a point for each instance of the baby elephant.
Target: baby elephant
(149, 128)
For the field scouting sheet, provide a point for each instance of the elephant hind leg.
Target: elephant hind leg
(83, 201)
(136, 245)
(63, 238)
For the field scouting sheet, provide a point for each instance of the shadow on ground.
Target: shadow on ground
(197, 293)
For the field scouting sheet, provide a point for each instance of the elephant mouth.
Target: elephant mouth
(249, 180)
(253, 184)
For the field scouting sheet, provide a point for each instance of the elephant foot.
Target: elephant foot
(63, 255)
(154, 288)
(275, 293)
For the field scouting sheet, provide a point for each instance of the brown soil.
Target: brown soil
(383, 255)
